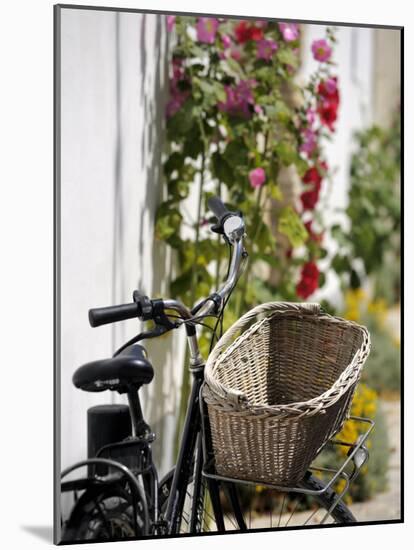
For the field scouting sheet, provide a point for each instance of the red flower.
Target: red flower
(310, 197)
(329, 102)
(309, 280)
(328, 113)
(328, 89)
(245, 32)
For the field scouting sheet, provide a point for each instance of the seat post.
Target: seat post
(139, 426)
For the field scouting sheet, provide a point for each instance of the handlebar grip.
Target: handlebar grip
(218, 208)
(104, 315)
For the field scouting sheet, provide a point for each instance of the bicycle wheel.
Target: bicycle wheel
(104, 513)
(264, 508)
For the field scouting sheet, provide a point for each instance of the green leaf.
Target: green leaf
(181, 123)
(287, 57)
(168, 222)
(286, 153)
(181, 284)
(322, 279)
(275, 191)
(236, 153)
(341, 264)
(234, 66)
(292, 226)
(221, 169)
(174, 162)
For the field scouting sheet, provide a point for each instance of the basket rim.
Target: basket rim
(237, 401)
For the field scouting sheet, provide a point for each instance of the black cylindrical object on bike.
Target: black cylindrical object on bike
(106, 424)
(218, 208)
(104, 315)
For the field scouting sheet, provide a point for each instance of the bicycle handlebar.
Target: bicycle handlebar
(230, 224)
(218, 208)
(103, 315)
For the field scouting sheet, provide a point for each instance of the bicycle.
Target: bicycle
(122, 496)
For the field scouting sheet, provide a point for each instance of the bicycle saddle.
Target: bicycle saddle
(128, 370)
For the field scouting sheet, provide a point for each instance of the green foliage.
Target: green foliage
(382, 370)
(373, 239)
(292, 226)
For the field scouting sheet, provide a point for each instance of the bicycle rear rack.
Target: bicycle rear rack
(357, 455)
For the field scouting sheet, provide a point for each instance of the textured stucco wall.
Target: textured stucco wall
(113, 95)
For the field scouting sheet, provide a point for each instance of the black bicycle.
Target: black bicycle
(121, 495)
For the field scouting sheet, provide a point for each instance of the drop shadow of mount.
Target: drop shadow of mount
(42, 532)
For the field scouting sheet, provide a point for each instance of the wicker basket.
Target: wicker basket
(280, 390)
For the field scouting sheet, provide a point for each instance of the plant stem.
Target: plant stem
(241, 302)
(185, 381)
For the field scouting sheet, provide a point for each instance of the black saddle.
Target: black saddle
(128, 370)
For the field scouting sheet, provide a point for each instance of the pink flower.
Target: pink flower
(170, 22)
(239, 99)
(207, 29)
(177, 96)
(226, 41)
(257, 177)
(310, 116)
(321, 50)
(330, 86)
(235, 53)
(290, 31)
(266, 48)
(309, 142)
(176, 102)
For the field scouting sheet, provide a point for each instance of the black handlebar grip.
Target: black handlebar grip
(217, 207)
(104, 315)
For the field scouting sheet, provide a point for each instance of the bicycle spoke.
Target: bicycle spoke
(281, 509)
(311, 516)
(294, 509)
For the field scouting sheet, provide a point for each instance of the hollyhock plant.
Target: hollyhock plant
(309, 280)
(321, 50)
(170, 22)
(266, 48)
(248, 126)
(257, 177)
(245, 32)
(290, 31)
(206, 29)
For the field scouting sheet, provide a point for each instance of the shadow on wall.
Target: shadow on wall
(160, 398)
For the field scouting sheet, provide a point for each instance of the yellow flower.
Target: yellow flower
(354, 302)
(363, 404)
(378, 308)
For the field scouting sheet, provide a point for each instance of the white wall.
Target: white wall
(113, 95)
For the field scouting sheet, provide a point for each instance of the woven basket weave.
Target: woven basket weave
(281, 389)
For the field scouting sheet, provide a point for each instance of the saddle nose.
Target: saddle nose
(130, 369)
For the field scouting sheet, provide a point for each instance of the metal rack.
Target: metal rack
(357, 455)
